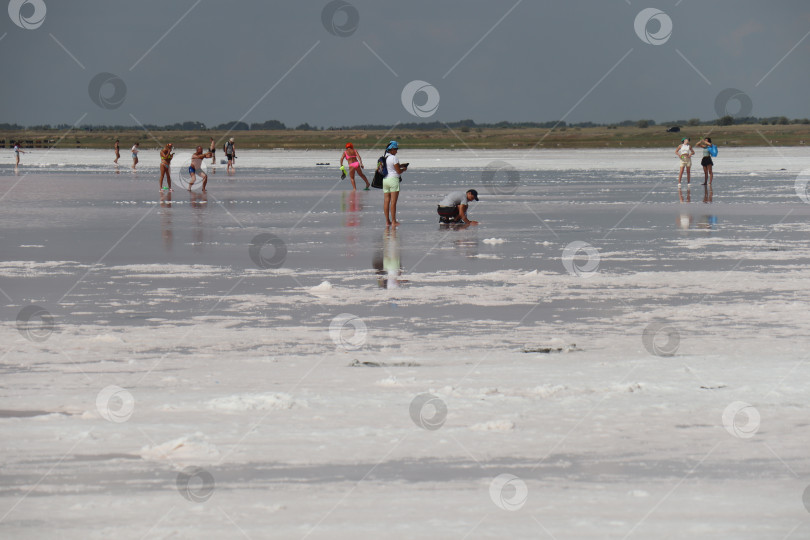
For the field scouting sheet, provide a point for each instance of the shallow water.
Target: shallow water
(107, 229)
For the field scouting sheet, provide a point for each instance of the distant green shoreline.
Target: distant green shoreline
(475, 138)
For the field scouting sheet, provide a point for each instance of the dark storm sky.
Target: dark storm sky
(216, 61)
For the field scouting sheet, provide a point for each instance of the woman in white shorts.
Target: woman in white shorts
(685, 153)
(391, 183)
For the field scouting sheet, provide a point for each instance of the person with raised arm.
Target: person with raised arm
(17, 152)
(706, 162)
(196, 167)
(166, 156)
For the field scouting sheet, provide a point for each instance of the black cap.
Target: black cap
(474, 193)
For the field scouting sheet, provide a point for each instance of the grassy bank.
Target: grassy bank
(592, 137)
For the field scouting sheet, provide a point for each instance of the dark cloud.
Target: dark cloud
(221, 60)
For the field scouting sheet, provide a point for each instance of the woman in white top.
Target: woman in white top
(135, 155)
(17, 153)
(391, 183)
(685, 153)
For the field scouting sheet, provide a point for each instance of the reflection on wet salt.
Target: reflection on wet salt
(686, 221)
(351, 204)
(166, 220)
(199, 204)
(387, 261)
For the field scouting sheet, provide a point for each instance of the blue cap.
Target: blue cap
(392, 146)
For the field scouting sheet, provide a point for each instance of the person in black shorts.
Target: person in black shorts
(454, 207)
(212, 148)
(706, 162)
(230, 153)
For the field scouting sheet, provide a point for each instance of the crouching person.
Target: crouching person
(455, 207)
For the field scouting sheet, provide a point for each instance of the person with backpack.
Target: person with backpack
(230, 153)
(709, 149)
(390, 184)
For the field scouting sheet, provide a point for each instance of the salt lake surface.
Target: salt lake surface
(266, 360)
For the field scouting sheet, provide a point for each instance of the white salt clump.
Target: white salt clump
(187, 449)
(323, 287)
(548, 390)
(106, 338)
(388, 382)
(253, 402)
(634, 387)
(493, 241)
(494, 425)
